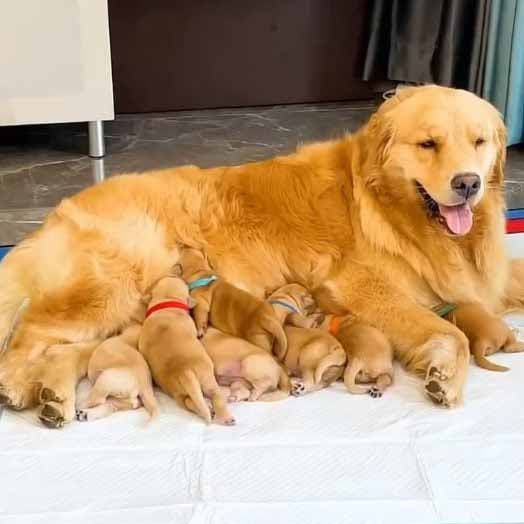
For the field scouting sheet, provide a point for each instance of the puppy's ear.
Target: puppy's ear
(177, 270)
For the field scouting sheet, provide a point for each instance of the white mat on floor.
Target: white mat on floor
(327, 458)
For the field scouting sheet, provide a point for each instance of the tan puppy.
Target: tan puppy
(245, 371)
(178, 361)
(486, 334)
(369, 354)
(228, 308)
(120, 378)
(294, 306)
(314, 359)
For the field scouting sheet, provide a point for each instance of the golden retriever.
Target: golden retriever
(403, 214)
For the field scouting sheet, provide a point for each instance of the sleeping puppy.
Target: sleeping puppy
(369, 354)
(486, 334)
(120, 378)
(245, 371)
(294, 306)
(228, 308)
(178, 360)
(314, 359)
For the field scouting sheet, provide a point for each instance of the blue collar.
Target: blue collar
(291, 308)
(202, 282)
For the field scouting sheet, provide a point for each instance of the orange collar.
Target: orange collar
(334, 325)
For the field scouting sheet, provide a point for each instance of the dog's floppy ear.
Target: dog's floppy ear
(380, 132)
(500, 141)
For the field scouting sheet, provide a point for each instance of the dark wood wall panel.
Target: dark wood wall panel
(185, 54)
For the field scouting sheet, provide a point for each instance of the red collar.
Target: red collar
(168, 304)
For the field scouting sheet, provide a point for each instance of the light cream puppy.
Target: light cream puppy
(120, 378)
(245, 371)
(178, 360)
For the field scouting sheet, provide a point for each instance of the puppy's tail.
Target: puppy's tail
(283, 380)
(350, 376)
(147, 395)
(193, 389)
(273, 326)
(273, 396)
(336, 358)
(479, 351)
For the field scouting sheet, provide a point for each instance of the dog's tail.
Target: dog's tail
(273, 326)
(479, 352)
(192, 387)
(335, 358)
(350, 376)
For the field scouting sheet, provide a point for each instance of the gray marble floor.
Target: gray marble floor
(39, 165)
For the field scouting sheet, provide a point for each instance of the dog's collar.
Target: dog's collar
(334, 325)
(443, 309)
(202, 282)
(291, 308)
(168, 304)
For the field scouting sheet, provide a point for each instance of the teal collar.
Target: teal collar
(291, 308)
(202, 282)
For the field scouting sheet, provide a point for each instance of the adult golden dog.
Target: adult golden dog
(403, 214)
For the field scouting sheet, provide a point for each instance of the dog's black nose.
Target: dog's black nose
(466, 184)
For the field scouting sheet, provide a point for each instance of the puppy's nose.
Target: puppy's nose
(466, 185)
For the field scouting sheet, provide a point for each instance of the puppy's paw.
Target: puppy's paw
(298, 387)
(81, 415)
(375, 392)
(202, 330)
(228, 421)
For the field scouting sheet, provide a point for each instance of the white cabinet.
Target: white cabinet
(55, 63)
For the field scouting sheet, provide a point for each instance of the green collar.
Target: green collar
(443, 309)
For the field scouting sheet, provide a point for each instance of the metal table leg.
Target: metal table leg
(96, 139)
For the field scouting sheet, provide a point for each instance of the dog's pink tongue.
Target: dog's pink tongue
(458, 218)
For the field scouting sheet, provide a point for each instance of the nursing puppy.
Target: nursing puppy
(369, 354)
(486, 334)
(245, 371)
(294, 306)
(178, 361)
(314, 359)
(228, 308)
(120, 378)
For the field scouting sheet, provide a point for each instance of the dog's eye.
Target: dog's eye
(428, 144)
(479, 142)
